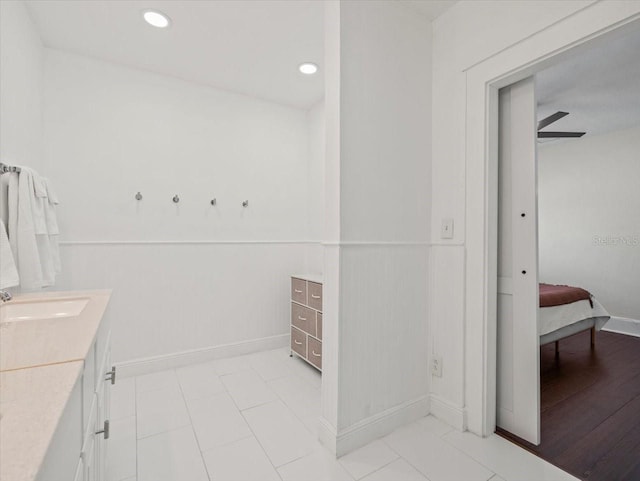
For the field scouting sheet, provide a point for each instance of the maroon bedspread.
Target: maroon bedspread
(552, 295)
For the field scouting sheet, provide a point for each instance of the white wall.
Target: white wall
(468, 35)
(317, 152)
(188, 275)
(378, 190)
(21, 79)
(589, 217)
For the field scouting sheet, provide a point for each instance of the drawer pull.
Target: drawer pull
(297, 342)
(105, 430)
(315, 354)
(297, 291)
(315, 297)
(302, 318)
(111, 375)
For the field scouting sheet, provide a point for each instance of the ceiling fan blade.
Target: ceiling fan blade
(551, 119)
(554, 135)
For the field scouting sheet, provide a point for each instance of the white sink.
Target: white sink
(42, 309)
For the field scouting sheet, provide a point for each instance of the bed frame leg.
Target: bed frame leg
(593, 337)
(557, 350)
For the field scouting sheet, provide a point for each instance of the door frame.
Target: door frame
(591, 25)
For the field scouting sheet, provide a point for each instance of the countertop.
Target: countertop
(47, 341)
(41, 361)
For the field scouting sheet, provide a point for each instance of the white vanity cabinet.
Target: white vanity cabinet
(78, 448)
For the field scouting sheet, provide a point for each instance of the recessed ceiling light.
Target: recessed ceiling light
(308, 68)
(157, 19)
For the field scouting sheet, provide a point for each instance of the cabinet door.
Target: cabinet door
(88, 454)
(89, 377)
(79, 472)
(103, 412)
(61, 459)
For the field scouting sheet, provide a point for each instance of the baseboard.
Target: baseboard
(327, 435)
(148, 365)
(445, 411)
(623, 325)
(371, 428)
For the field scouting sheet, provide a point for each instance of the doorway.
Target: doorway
(590, 394)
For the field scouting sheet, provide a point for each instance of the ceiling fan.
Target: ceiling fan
(555, 135)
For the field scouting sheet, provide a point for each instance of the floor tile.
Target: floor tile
(368, 459)
(305, 371)
(270, 364)
(230, 365)
(123, 398)
(280, 397)
(248, 389)
(156, 380)
(283, 437)
(217, 421)
(433, 457)
(171, 456)
(160, 410)
(506, 459)
(435, 426)
(242, 460)
(199, 381)
(122, 449)
(317, 466)
(398, 470)
(312, 423)
(301, 398)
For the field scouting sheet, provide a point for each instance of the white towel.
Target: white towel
(8, 272)
(38, 202)
(28, 254)
(52, 223)
(9, 208)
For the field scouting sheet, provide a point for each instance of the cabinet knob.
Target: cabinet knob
(111, 375)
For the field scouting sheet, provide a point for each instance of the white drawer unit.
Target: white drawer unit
(306, 318)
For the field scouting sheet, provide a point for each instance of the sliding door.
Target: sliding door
(518, 357)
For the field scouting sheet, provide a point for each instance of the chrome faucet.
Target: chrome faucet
(5, 296)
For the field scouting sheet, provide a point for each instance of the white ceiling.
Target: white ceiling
(600, 88)
(251, 47)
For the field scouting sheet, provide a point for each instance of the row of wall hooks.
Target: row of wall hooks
(176, 199)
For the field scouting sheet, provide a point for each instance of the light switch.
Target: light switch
(446, 230)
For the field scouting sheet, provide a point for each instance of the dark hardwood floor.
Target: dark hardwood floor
(590, 403)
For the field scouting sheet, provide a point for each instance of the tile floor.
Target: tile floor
(253, 418)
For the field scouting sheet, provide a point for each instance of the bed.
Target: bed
(567, 310)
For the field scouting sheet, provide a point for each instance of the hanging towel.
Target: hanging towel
(9, 208)
(38, 202)
(8, 272)
(28, 255)
(52, 224)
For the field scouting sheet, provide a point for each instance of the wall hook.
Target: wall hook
(245, 203)
(176, 199)
(138, 196)
(214, 201)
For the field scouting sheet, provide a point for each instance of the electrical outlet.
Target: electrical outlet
(436, 366)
